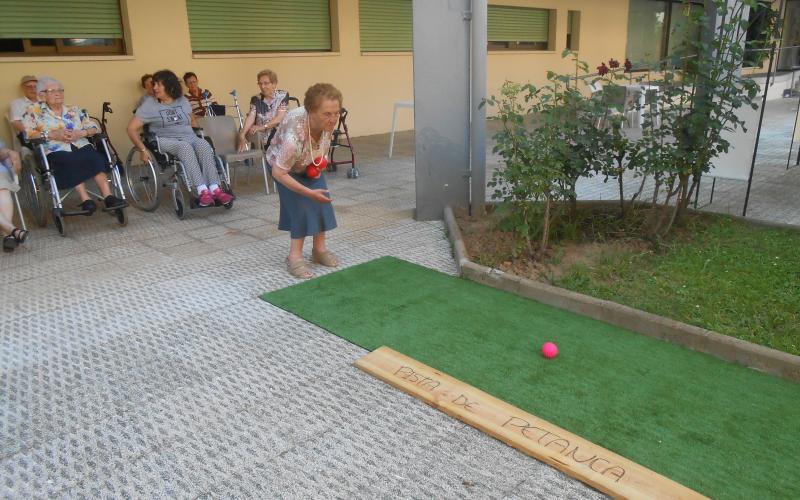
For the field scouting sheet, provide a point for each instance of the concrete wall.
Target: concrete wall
(158, 37)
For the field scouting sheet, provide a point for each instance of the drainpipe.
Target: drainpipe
(477, 130)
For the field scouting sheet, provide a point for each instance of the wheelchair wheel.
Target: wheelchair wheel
(141, 179)
(178, 202)
(58, 220)
(33, 193)
(121, 216)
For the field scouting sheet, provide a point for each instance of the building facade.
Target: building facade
(358, 45)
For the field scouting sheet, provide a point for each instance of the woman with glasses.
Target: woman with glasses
(266, 111)
(73, 160)
(297, 160)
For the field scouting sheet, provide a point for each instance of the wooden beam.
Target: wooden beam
(600, 468)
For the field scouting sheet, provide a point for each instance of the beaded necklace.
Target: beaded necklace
(318, 153)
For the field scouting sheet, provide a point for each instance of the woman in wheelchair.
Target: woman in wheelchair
(266, 111)
(73, 160)
(169, 116)
(9, 165)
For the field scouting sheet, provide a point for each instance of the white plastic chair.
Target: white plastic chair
(634, 103)
(225, 135)
(595, 87)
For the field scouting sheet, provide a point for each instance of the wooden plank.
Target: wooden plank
(592, 464)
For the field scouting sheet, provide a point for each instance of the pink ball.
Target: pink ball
(549, 350)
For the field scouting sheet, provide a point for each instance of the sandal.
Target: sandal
(9, 243)
(299, 269)
(19, 234)
(325, 258)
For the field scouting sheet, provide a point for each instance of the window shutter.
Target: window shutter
(60, 19)
(518, 24)
(259, 25)
(385, 25)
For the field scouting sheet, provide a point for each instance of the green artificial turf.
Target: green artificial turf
(721, 429)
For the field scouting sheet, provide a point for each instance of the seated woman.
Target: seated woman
(197, 97)
(170, 117)
(72, 159)
(12, 236)
(296, 161)
(266, 111)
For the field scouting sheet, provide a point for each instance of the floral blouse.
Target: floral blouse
(40, 118)
(266, 109)
(291, 147)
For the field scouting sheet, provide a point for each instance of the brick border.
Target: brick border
(754, 356)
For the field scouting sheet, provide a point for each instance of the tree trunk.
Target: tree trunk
(680, 203)
(527, 235)
(661, 212)
(686, 198)
(632, 202)
(573, 202)
(546, 227)
(656, 189)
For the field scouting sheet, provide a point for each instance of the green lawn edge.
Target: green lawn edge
(734, 278)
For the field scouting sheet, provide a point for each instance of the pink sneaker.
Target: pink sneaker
(222, 197)
(206, 200)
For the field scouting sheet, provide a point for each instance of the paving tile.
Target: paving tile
(138, 361)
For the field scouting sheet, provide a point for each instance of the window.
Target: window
(260, 25)
(657, 28)
(385, 25)
(518, 28)
(573, 29)
(55, 27)
(760, 24)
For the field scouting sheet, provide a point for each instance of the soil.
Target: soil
(488, 245)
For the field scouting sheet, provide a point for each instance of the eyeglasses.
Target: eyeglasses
(54, 91)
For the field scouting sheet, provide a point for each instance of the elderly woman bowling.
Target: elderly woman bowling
(297, 160)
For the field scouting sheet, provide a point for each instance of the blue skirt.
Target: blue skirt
(79, 165)
(302, 216)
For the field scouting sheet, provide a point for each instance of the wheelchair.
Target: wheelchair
(147, 180)
(42, 194)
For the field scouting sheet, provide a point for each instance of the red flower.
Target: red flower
(628, 65)
(613, 63)
(602, 69)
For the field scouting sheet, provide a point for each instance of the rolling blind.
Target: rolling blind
(385, 25)
(518, 24)
(60, 19)
(259, 25)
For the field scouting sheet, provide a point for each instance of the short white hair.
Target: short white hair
(44, 81)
